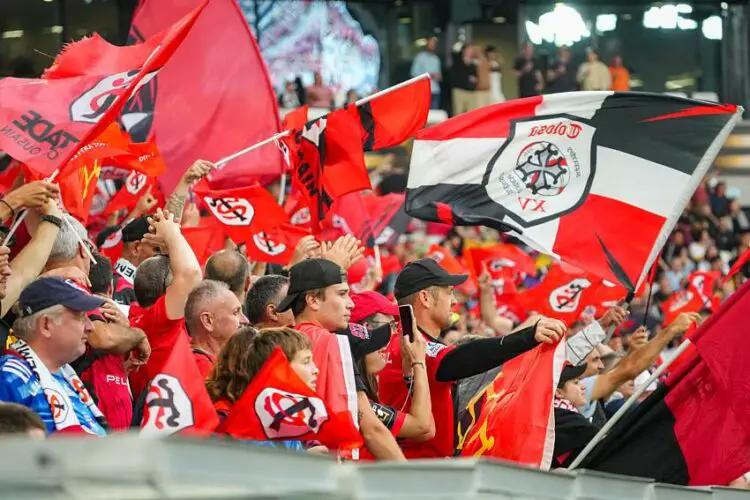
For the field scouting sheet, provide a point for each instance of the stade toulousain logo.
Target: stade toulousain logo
(168, 407)
(286, 415)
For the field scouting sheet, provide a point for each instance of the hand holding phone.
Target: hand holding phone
(406, 316)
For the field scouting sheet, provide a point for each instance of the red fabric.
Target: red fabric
(162, 335)
(329, 162)
(515, 422)
(203, 108)
(176, 380)
(112, 246)
(332, 356)
(502, 261)
(348, 215)
(278, 405)
(110, 382)
(242, 210)
(369, 303)
(205, 362)
(708, 396)
(275, 245)
(46, 121)
(392, 118)
(741, 261)
(393, 392)
(563, 294)
(205, 239)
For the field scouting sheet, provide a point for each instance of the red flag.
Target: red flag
(200, 106)
(205, 239)
(177, 400)
(445, 259)
(278, 405)
(329, 162)
(516, 419)
(275, 245)
(242, 210)
(44, 122)
(387, 219)
(741, 261)
(562, 295)
(112, 246)
(390, 119)
(693, 430)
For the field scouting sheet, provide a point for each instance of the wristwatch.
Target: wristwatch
(52, 220)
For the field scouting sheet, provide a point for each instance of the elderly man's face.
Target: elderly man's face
(68, 333)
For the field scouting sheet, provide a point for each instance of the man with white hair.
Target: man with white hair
(213, 313)
(101, 365)
(52, 330)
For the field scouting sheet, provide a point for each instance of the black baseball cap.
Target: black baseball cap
(363, 341)
(44, 293)
(311, 274)
(135, 230)
(570, 371)
(424, 273)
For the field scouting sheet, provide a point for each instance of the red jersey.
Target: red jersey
(162, 334)
(394, 390)
(205, 361)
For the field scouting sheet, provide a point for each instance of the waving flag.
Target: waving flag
(214, 98)
(275, 245)
(693, 430)
(278, 405)
(177, 400)
(563, 294)
(513, 418)
(242, 210)
(44, 122)
(597, 179)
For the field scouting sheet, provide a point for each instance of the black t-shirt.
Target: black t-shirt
(563, 81)
(527, 81)
(572, 433)
(461, 75)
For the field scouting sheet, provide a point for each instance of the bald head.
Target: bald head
(230, 267)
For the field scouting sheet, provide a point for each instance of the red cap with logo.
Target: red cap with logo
(368, 303)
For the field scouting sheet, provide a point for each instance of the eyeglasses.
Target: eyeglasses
(393, 325)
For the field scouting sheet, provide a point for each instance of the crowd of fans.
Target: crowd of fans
(84, 329)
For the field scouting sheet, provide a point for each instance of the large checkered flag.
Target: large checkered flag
(596, 179)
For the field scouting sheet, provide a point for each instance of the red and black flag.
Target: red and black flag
(45, 122)
(596, 179)
(275, 245)
(693, 430)
(242, 211)
(387, 219)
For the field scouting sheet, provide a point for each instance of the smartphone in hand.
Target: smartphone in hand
(406, 316)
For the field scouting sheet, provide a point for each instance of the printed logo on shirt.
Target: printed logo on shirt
(434, 348)
(286, 415)
(168, 407)
(57, 404)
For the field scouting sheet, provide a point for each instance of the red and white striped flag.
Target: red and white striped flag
(597, 179)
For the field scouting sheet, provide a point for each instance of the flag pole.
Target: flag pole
(285, 133)
(625, 407)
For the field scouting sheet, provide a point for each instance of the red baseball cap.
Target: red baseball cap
(368, 303)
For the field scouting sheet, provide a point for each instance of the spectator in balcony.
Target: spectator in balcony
(594, 74)
(528, 73)
(318, 95)
(561, 77)
(719, 200)
(464, 75)
(289, 97)
(620, 75)
(351, 97)
(428, 62)
(740, 222)
(496, 75)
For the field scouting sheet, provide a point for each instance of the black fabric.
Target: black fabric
(309, 275)
(481, 355)
(527, 81)
(84, 363)
(125, 296)
(461, 75)
(386, 414)
(572, 433)
(565, 78)
(643, 444)
(424, 273)
(363, 341)
(678, 143)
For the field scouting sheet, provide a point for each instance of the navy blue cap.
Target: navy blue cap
(44, 293)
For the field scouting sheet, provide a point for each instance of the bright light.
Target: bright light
(687, 24)
(498, 20)
(724, 6)
(420, 42)
(55, 30)
(12, 34)
(667, 17)
(711, 28)
(563, 26)
(606, 22)
(533, 33)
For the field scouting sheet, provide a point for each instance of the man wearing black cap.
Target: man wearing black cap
(318, 296)
(428, 288)
(52, 330)
(573, 431)
(134, 251)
